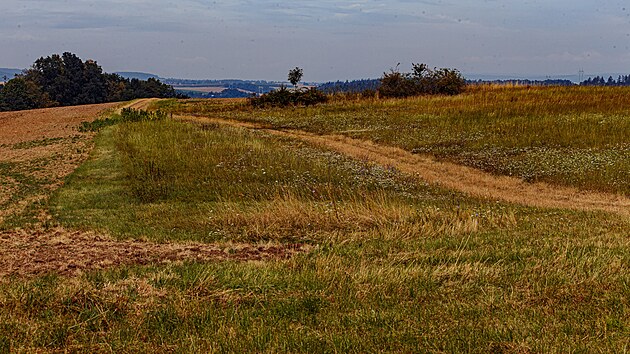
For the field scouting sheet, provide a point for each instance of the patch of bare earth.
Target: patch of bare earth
(26, 253)
(36, 124)
(39, 148)
(461, 178)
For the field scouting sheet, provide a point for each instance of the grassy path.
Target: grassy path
(142, 103)
(449, 175)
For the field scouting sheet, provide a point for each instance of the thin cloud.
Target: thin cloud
(331, 39)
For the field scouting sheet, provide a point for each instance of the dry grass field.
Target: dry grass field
(457, 177)
(355, 226)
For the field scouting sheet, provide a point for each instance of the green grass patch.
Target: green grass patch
(170, 180)
(125, 115)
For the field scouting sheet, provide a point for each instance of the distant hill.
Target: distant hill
(575, 78)
(258, 86)
(9, 73)
(223, 93)
(137, 75)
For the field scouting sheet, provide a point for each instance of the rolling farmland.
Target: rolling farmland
(492, 221)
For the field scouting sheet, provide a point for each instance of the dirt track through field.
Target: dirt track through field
(452, 176)
(142, 103)
(46, 143)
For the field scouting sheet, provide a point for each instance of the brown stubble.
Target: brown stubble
(42, 145)
(30, 253)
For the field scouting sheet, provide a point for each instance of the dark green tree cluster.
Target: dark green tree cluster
(284, 97)
(66, 80)
(355, 86)
(422, 81)
(622, 80)
(20, 94)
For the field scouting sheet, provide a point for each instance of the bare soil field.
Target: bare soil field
(37, 124)
(41, 147)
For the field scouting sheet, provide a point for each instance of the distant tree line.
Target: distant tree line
(259, 86)
(66, 80)
(396, 84)
(524, 82)
(227, 93)
(622, 80)
(355, 86)
(393, 84)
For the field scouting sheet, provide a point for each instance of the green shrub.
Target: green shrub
(284, 97)
(422, 81)
(397, 85)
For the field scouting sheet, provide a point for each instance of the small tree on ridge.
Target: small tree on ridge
(295, 75)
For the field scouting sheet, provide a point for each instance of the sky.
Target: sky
(330, 40)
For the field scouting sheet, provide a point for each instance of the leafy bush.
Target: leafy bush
(311, 97)
(284, 97)
(422, 81)
(398, 85)
(65, 80)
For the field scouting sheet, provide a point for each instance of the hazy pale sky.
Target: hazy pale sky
(329, 39)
